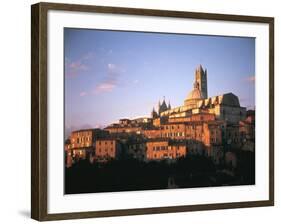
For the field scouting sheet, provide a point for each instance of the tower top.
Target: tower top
(201, 80)
(200, 69)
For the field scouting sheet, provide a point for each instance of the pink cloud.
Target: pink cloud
(251, 79)
(76, 67)
(104, 87)
(111, 79)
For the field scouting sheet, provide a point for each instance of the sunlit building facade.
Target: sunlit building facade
(201, 126)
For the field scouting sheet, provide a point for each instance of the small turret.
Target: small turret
(154, 113)
(169, 106)
(162, 106)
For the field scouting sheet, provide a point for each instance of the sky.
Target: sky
(116, 74)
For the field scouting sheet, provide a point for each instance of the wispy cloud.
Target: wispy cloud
(76, 67)
(104, 87)
(111, 79)
(251, 79)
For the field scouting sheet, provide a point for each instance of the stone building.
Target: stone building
(247, 127)
(152, 133)
(81, 144)
(200, 136)
(107, 148)
(130, 125)
(136, 147)
(159, 149)
(247, 132)
(85, 138)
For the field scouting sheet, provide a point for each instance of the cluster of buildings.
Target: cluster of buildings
(210, 126)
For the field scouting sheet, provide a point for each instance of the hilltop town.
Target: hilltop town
(216, 127)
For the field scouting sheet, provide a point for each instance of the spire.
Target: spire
(154, 113)
(164, 105)
(159, 107)
(169, 105)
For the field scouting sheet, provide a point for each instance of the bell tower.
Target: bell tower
(201, 79)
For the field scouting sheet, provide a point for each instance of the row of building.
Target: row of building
(202, 125)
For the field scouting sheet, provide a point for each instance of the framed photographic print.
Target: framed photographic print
(140, 111)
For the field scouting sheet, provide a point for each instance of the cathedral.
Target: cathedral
(225, 107)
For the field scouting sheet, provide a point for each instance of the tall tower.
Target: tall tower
(201, 79)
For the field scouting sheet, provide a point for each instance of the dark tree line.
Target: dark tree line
(129, 174)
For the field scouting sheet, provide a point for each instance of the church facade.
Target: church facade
(226, 106)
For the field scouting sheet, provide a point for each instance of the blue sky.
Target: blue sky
(114, 74)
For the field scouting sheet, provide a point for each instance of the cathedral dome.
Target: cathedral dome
(194, 94)
(193, 97)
